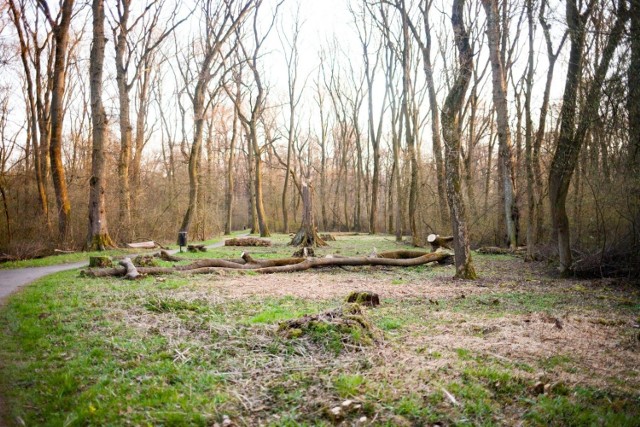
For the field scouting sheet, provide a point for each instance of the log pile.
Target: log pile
(247, 241)
(266, 266)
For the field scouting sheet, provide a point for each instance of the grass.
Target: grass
(81, 256)
(179, 351)
(66, 258)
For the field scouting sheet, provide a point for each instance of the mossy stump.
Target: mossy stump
(145, 261)
(366, 298)
(335, 329)
(100, 262)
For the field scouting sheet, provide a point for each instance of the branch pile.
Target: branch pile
(266, 266)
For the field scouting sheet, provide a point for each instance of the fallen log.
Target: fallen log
(131, 271)
(247, 241)
(143, 245)
(266, 266)
(438, 241)
(196, 248)
(494, 250)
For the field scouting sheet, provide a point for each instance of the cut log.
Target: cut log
(402, 254)
(437, 241)
(494, 250)
(131, 271)
(166, 256)
(143, 245)
(100, 261)
(247, 241)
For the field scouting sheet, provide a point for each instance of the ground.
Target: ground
(518, 346)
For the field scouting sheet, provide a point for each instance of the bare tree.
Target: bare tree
(60, 28)
(221, 22)
(39, 143)
(292, 59)
(571, 138)
(502, 114)
(98, 237)
(451, 132)
(252, 119)
(127, 45)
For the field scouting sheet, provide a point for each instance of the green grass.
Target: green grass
(66, 258)
(84, 256)
(178, 351)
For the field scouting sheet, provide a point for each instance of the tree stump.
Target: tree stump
(100, 261)
(366, 298)
(438, 242)
(145, 261)
(304, 252)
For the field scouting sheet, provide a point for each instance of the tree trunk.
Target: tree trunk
(410, 134)
(124, 159)
(32, 113)
(633, 100)
(98, 237)
(61, 36)
(570, 139)
(451, 132)
(531, 198)
(307, 236)
(196, 152)
(504, 134)
(228, 226)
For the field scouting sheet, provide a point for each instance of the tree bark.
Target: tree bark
(98, 237)
(451, 132)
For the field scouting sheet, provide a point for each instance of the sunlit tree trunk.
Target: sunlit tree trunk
(98, 237)
(451, 132)
(61, 36)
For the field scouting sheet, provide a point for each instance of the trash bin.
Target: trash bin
(182, 239)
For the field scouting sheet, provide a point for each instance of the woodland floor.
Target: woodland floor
(518, 346)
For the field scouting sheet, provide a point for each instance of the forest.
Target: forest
(502, 123)
(320, 213)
